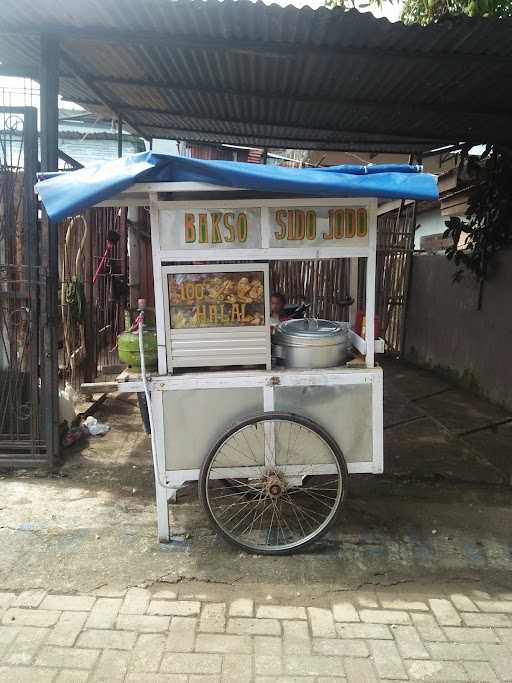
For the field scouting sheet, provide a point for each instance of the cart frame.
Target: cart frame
(199, 196)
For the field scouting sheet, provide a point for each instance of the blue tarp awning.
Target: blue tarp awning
(65, 194)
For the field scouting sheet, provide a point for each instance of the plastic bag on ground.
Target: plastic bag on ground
(96, 428)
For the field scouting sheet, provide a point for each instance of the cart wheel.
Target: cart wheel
(253, 483)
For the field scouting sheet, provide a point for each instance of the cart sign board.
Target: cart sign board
(244, 228)
(320, 226)
(197, 229)
(216, 299)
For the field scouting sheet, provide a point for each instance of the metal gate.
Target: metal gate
(24, 418)
(395, 246)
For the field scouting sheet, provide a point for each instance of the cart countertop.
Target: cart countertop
(129, 381)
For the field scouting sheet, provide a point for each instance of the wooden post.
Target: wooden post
(408, 273)
(90, 340)
(409, 245)
(50, 239)
(31, 251)
(49, 103)
(134, 257)
(370, 286)
(353, 289)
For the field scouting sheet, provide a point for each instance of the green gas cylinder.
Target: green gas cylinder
(128, 348)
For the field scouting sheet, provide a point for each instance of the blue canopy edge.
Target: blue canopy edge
(67, 193)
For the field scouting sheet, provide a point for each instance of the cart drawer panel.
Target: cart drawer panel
(207, 348)
(194, 419)
(204, 351)
(215, 344)
(206, 361)
(345, 412)
(217, 333)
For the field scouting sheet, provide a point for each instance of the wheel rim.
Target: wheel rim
(273, 485)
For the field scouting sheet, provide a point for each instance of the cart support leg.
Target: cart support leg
(163, 493)
(162, 513)
(270, 436)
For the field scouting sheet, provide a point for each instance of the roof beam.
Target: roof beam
(82, 78)
(19, 72)
(75, 165)
(268, 49)
(264, 140)
(340, 101)
(261, 122)
(33, 74)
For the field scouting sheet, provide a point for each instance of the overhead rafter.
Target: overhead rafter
(20, 72)
(82, 78)
(276, 122)
(340, 100)
(270, 49)
(264, 140)
(396, 107)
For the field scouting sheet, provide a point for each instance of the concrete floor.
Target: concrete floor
(434, 430)
(442, 511)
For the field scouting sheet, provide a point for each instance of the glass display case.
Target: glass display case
(216, 299)
(217, 315)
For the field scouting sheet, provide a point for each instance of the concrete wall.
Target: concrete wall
(444, 329)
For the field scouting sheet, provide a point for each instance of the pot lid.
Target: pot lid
(309, 331)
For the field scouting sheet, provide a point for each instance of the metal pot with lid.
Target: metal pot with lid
(311, 343)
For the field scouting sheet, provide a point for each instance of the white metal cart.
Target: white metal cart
(271, 447)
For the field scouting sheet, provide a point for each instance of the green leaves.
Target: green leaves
(428, 11)
(487, 227)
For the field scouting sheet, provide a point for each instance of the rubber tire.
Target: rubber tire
(305, 422)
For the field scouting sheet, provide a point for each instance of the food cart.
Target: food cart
(271, 440)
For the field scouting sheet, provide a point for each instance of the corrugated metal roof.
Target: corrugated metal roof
(248, 73)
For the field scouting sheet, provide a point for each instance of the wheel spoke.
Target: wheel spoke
(257, 503)
(319, 500)
(244, 455)
(308, 513)
(241, 520)
(242, 484)
(270, 527)
(282, 519)
(248, 445)
(237, 511)
(299, 513)
(319, 493)
(260, 516)
(321, 486)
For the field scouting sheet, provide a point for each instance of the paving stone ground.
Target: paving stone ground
(165, 636)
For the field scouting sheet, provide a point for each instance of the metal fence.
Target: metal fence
(395, 246)
(25, 417)
(326, 284)
(93, 271)
(322, 283)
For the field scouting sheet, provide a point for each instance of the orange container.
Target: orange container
(360, 325)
